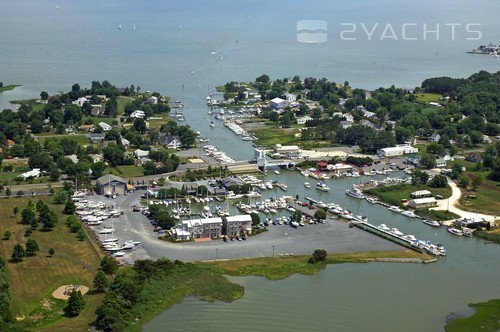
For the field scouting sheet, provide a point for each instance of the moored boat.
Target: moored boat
(355, 192)
(431, 222)
(307, 185)
(394, 208)
(409, 214)
(322, 186)
(455, 231)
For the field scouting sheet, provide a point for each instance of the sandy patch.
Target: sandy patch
(196, 161)
(63, 292)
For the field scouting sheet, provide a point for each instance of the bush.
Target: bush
(318, 255)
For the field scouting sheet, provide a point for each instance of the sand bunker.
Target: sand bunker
(64, 291)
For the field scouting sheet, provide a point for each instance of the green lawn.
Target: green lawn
(486, 198)
(121, 102)
(34, 279)
(8, 87)
(80, 139)
(428, 97)
(127, 171)
(268, 136)
(486, 318)
(394, 194)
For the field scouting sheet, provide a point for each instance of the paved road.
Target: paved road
(333, 236)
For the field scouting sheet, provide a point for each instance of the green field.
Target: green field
(428, 97)
(486, 198)
(80, 139)
(8, 87)
(127, 171)
(280, 267)
(268, 136)
(393, 194)
(486, 318)
(34, 279)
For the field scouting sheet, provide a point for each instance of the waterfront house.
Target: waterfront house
(207, 228)
(287, 151)
(419, 203)
(234, 225)
(79, 102)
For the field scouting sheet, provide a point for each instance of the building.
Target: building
(73, 158)
(207, 228)
(346, 124)
(138, 114)
(287, 151)
(34, 173)
(423, 202)
(278, 103)
(87, 127)
(433, 103)
(190, 188)
(304, 119)
(97, 110)
(440, 162)
(10, 143)
(397, 150)
(141, 153)
(170, 142)
(234, 225)
(104, 126)
(111, 184)
(96, 138)
(421, 194)
(97, 158)
(435, 137)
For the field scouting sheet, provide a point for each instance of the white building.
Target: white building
(397, 150)
(278, 103)
(304, 119)
(80, 101)
(137, 114)
(141, 153)
(207, 228)
(104, 126)
(234, 225)
(287, 151)
(34, 173)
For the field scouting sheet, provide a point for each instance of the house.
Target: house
(322, 166)
(97, 158)
(10, 143)
(97, 110)
(234, 225)
(421, 194)
(138, 114)
(111, 184)
(153, 100)
(69, 129)
(278, 103)
(346, 124)
(366, 123)
(423, 202)
(125, 142)
(288, 151)
(473, 157)
(169, 141)
(34, 173)
(140, 153)
(433, 103)
(73, 158)
(397, 150)
(88, 127)
(440, 162)
(304, 119)
(435, 137)
(104, 126)
(487, 139)
(79, 102)
(96, 138)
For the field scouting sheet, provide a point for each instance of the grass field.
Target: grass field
(34, 279)
(486, 198)
(281, 267)
(486, 318)
(126, 171)
(428, 97)
(394, 194)
(268, 136)
(80, 139)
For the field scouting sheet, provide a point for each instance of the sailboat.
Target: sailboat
(212, 124)
(119, 26)
(133, 27)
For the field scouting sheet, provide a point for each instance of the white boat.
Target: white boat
(431, 222)
(212, 124)
(105, 230)
(396, 231)
(354, 192)
(291, 208)
(307, 185)
(383, 227)
(347, 215)
(294, 224)
(455, 231)
(441, 249)
(119, 254)
(304, 173)
(322, 186)
(119, 26)
(372, 200)
(409, 214)
(394, 208)
(277, 172)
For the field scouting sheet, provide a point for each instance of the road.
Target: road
(333, 236)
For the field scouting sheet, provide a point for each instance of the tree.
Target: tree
(44, 95)
(54, 174)
(16, 210)
(320, 214)
(60, 197)
(477, 180)
(48, 219)
(51, 252)
(318, 255)
(80, 234)
(255, 219)
(75, 304)
(7, 235)
(108, 265)
(19, 193)
(8, 192)
(428, 161)
(31, 247)
(101, 282)
(140, 125)
(70, 207)
(463, 181)
(18, 253)
(438, 181)
(27, 216)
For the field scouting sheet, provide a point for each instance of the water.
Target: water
(44, 48)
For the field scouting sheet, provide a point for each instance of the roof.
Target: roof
(277, 100)
(421, 192)
(424, 200)
(240, 217)
(105, 179)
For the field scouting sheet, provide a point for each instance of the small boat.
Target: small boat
(455, 231)
(307, 185)
(394, 208)
(441, 249)
(322, 186)
(409, 214)
(372, 200)
(212, 124)
(277, 172)
(347, 215)
(431, 222)
(294, 224)
(304, 173)
(119, 26)
(119, 254)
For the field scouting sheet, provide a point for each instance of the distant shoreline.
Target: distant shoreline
(9, 87)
